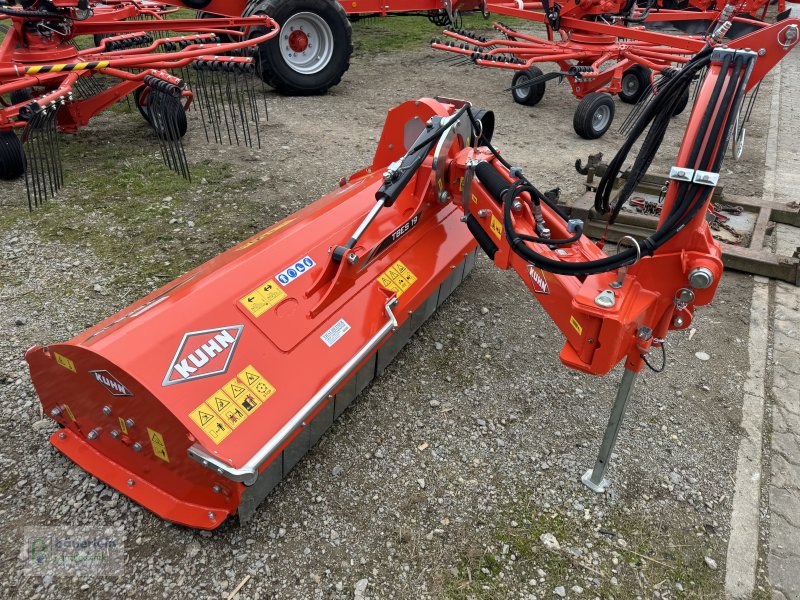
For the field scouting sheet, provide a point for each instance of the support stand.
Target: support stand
(594, 478)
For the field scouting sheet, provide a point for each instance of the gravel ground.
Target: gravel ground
(456, 474)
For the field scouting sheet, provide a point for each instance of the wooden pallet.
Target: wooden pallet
(751, 255)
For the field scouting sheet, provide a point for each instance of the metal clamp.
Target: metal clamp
(466, 188)
(248, 473)
(681, 174)
(623, 270)
(706, 178)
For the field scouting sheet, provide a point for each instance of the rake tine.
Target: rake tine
(229, 97)
(200, 99)
(213, 105)
(216, 77)
(248, 140)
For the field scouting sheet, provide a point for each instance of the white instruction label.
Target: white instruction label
(333, 334)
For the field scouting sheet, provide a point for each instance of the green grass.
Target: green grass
(392, 33)
(656, 557)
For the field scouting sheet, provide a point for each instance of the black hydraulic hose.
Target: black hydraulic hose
(661, 106)
(690, 197)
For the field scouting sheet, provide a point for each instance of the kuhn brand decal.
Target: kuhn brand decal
(540, 285)
(111, 383)
(203, 354)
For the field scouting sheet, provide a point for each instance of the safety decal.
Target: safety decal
(264, 234)
(230, 405)
(65, 362)
(397, 278)
(538, 280)
(256, 382)
(335, 333)
(203, 354)
(157, 442)
(123, 427)
(575, 325)
(264, 297)
(497, 227)
(68, 410)
(289, 274)
(111, 383)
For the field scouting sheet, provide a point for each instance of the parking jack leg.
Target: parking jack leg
(594, 478)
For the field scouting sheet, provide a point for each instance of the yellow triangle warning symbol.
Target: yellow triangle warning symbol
(237, 390)
(220, 403)
(251, 377)
(204, 417)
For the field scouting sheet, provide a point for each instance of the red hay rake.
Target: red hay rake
(604, 48)
(49, 84)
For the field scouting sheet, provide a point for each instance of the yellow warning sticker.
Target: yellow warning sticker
(497, 227)
(575, 325)
(230, 412)
(225, 410)
(65, 362)
(242, 396)
(264, 297)
(219, 401)
(157, 442)
(256, 382)
(68, 410)
(397, 278)
(214, 427)
(122, 426)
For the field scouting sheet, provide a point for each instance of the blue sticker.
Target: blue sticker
(298, 268)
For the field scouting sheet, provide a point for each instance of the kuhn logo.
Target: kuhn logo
(203, 354)
(111, 383)
(540, 285)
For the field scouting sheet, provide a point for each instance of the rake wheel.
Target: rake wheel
(140, 96)
(312, 51)
(682, 103)
(12, 157)
(529, 95)
(594, 115)
(635, 82)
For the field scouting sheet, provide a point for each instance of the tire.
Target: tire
(682, 103)
(284, 61)
(158, 127)
(635, 82)
(594, 115)
(532, 94)
(12, 157)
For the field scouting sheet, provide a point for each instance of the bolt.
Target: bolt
(443, 196)
(55, 412)
(131, 483)
(62, 436)
(211, 516)
(701, 278)
(483, 213)
(129, 422)
(516, 206)
(216, 488)
(114, 434)
(678, 321)
(92, 435)
(137, 447)
(107, 411)
(352, 258)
